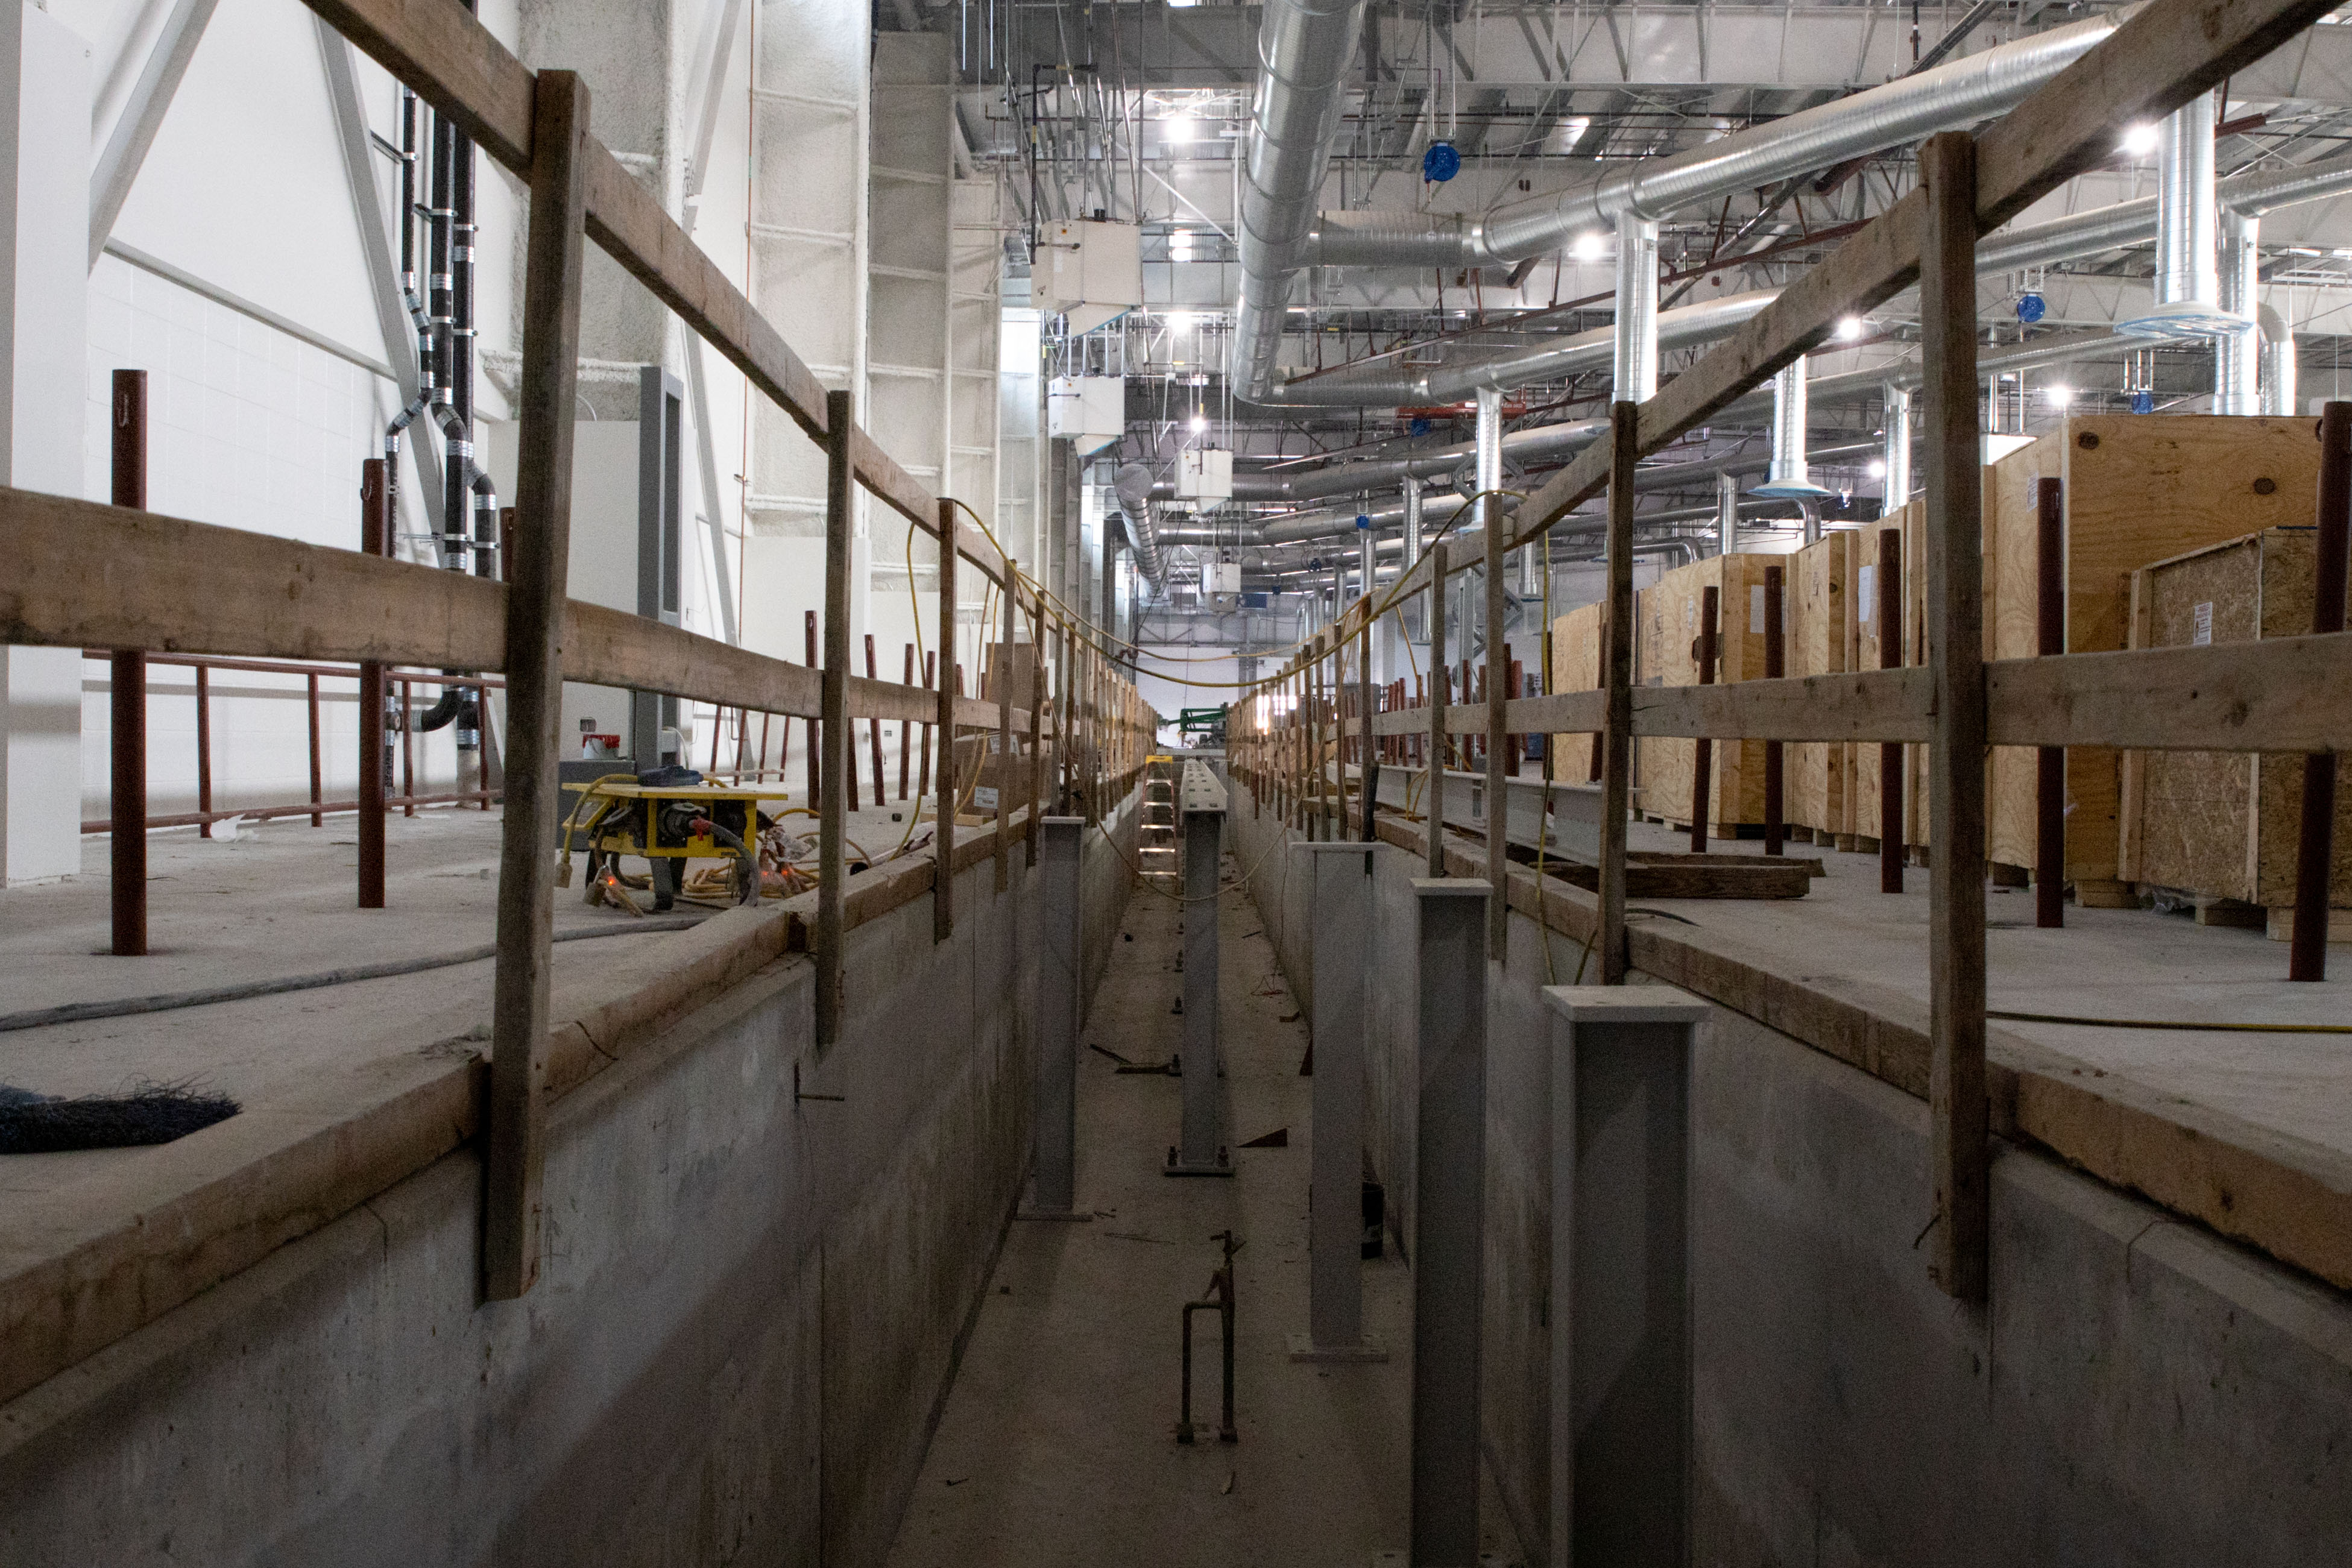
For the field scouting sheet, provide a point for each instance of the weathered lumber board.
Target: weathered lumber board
(1697, 876)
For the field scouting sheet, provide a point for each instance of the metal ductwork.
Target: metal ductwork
(1508, 368)
(2276, 369)
(1304, 49)
(1635, 377)
(1895, 420)
(1519, 447)
(2188, 302)
(1132, 485)
(2237, 358)
(1789, 478)
(1960, 93)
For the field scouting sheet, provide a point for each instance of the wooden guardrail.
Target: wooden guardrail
(2285, 696)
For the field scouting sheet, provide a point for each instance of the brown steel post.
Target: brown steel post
(204, 748)
(815, 728)
(930, 684)
(1036, 727)
(534, 667)
(375, 538)
(2316, 847)
(128, 688)
(2050, 761)
(765, 720)
(874, 729)
(948, 685)
(1433, 801)
(1889, 611)
(1775, 759)
(1960, 1151)
(1617, 677)
(1514, 744)
(407, 749)
(837, 749)
(317, 798)
(907, 729)
(1703, 749)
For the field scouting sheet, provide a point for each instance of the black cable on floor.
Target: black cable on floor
(125, 1007)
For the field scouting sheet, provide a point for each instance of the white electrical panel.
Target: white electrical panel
(1091, 272)
(1090, 411)
(1204, 473)
(1223, 575)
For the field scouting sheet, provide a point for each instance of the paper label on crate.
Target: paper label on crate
(1690, 614)
(983, 798)
(1869, 594)
(1756, 609)
(2203, 636)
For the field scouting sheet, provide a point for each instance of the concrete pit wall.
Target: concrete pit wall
(747, 1318)
(2138, 1392)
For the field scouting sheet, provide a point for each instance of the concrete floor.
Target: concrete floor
(2104, 963)
(1057, 1446)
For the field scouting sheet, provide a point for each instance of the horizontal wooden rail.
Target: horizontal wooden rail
(87, 575)
(2285, 693)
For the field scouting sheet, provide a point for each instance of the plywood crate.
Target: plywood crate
(1666, 654)
(1815, 771)
(2224, 825)
(1860, 813)
(2136, 489)
(1575, 667)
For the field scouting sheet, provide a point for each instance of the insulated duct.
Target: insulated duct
(1959, 93)
(2188, 293)
(2237, 357)
(1635, 329)
(1304, 47)
(1132, 483)
(2277, 368)
(1790, 479)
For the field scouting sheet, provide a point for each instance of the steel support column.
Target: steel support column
(1054, 1129)
(1342, 901)
(1201, 802)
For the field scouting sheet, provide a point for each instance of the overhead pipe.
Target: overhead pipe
(1959, 93)
(1894, 415)
(2187, 301)
(2237, 356)
(1636, 330)
(1441, 463)
(2277, 368)
(1790, 479)
(1305, 48)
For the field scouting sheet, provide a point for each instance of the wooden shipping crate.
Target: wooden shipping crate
(2136, 489)
(1575, 667)
(2215, 823)
(1665, 650)
(1815, 771)
(1860, 813)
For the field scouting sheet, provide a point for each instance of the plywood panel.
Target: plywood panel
(2138, 489)
(2218, 823)
(1817, 646)
(1575, 667)
(1861, 814)
(1666, 619)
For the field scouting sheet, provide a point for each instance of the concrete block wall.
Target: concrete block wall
(2138, 1391)
(747, 1322)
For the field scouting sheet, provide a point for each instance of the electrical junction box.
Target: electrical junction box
(1088, 411)
(1091, 272)
(1204, 473)
(1222, 577)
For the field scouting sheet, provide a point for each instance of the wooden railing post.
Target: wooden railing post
(534, 667)
(1956, 725)
(944, 685)
(127, 701)
(835, 793)
(205, 749)
(1890, 753)
(816, 730)
(1617, 679)
(1774, 754)
(906, 728)
(874, 729)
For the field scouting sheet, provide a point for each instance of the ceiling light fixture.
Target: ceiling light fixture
(2141, 140)
(1848, 329)
(1590, 246)
(2058, 396)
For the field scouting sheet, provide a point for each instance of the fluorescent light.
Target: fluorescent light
(1590, 246)
(2141, 140)
(1848, 329)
